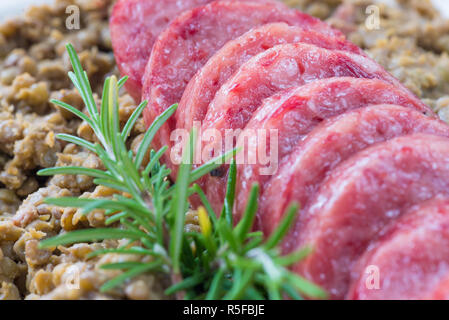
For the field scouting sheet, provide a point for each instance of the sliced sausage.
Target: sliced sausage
(277, 69)
(441, 292)
(359, 198)
(410, 261)
(294, 114)
(222, 65)
(332, 142)
(135, 25)
(192, 38)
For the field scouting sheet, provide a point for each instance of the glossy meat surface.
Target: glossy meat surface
(360, 197)
(135, 25)
(411, 258)
(221, 66)
(441, 292)
(294, 113)
(277, 69)
(192, 38)
(331, 143)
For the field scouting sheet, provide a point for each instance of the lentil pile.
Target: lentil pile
(412, 42)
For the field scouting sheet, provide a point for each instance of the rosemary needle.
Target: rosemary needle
(221, 262)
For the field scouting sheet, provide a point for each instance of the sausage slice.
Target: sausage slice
(192, 38)
(328, 145)
(441, 292)
(134, 26)
(410, 261)
(293, 114)
(277, 69)
(222, 65)
(362, 196)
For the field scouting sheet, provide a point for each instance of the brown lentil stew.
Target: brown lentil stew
(412, 43)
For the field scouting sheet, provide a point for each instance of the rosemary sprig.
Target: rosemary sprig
(220, 262)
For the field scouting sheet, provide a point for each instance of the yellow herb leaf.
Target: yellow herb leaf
(205, 224)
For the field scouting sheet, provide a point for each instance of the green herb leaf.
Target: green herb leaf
(179, 206)
(221, 262)
(74, 171)
(152, 130)
(283, 228)
(133, 119)
(134, 272)
(90, 235)
(247, 221)
(230, 193)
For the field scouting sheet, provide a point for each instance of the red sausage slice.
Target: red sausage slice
(294, 114)
(203, 86)
(134, 26)
(332, 142)
(441, 292)
(192, 38)
(411, 260)
(360, 197)
(279, 68)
